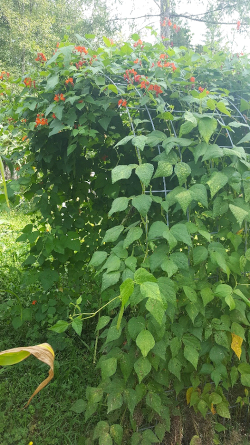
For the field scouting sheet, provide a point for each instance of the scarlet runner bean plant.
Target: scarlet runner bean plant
(139, 170)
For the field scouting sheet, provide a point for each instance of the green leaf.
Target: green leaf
(112, 234)
(174, 366)
(116, 432)
(157, 309)
(222, 410)
(238, 213)
(113, 88)
(199, 193)
(207, 127)
(60, 326)
(77, 325)
(149, 437)
(163, 169)
(179, 231)
(142, 367)
(190, 293)
(172, 241)
(101, 428)
(139, 141)
(56, 127)
(245, 379)
(144, 173)
(186, 128)
(245, 139)
(145, 342)
(169, 266)
(212, 152)
(126, 290)
(151, 290)
(131, 398)
(142, 203)
(153, 400)
(180, 259)
(98, 258)
(182, 171)
(216, 182)
(135, 326)
(156, 230)
(133, 234)
(200, 254)
(207, 295)
(121, 172)
(192, 355)
(48, 277)
(142, 275)
(222, 108)
(52, 81)
(108, 367)
(118, 205)
(102, 322)
(184, 199)
(114, 401)
(124, 140)
(109, 279)
(79, 406)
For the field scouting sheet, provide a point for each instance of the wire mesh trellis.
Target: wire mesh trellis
(222, 118)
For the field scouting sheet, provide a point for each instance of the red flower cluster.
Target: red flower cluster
(151, 87)
(69, 80)
(202, 89)
(28, 82)
(163, 56)
(139, 42)
(155, 88)
(80, 63)
(59, 97)
(169, 23)
(40, 58)
(122, 103)
(238, 25)
(4, 74)
(192, 79)
(127, 76)
(81, 49)
(168, 64)
(40, 120)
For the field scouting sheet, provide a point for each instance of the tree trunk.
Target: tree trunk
(164, 18)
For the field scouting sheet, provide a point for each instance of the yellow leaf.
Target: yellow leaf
(213, 410)
(236, 344)
(43, 352)
(188, 394)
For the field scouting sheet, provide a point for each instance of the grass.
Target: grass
(49, 418)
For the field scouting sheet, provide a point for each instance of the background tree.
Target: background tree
(29, 26)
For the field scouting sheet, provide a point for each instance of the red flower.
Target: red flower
(136, 60)
(41, 120)
(17, 168)
(24, 137)
(34, 302)
(159, 63)
(59, 97)
(175, 26)
(139, 42)
(54, 116)
(169, 23)
(40, 58)
(81, 49)
(163, 56)
(192, 79)
(201, 89)
(122, 103)
(69, 80)
(238, 25)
